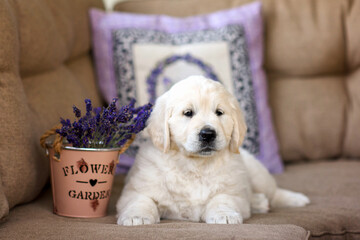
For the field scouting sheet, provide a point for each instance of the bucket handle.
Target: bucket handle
(57, 144)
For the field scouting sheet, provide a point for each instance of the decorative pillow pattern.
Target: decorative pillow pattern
(107, 28)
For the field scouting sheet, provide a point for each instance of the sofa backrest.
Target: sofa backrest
(312, 60)
(45, 68)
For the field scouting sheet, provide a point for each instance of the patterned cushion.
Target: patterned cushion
(141, 56)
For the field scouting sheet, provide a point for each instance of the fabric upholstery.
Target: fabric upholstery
(312, 60)
(334, 191)
(298, 35)
(45, 68)
(38, 222)
(334, 213)
(352, 135)
(12, 94)
(4, 205)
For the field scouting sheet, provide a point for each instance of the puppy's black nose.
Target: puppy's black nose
(207, 134)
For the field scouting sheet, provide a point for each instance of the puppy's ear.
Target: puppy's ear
(239, 130)
(158, 127)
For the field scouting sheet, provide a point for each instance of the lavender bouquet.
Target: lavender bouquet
(105, 127)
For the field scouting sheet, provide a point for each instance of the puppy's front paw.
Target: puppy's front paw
(135, 220)
(224, 218)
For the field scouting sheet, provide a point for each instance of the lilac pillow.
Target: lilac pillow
(107, 29)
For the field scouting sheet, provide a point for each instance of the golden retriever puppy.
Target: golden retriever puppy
(194, 169)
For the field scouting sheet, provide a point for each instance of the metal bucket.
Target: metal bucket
(81, 180)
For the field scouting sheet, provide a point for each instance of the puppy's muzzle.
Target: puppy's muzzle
(207, 135)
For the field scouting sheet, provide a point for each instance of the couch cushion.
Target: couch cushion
(300, 106)
(45, 68)
(4, 205)
(12, 96)
(334, 212)
(37, 221)
(334, 191)
(352, 135)
(312, 58)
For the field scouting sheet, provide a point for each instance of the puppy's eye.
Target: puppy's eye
(188, 113)
(219, 112)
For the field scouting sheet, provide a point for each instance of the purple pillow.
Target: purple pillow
(113, 36)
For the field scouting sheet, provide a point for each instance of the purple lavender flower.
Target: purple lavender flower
(97, 110)
(77, 112)
(139, 123)
(88, 106)
(126, 112)
(106, 127)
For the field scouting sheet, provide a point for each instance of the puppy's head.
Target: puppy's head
(198, 117)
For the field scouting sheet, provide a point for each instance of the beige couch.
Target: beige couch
(313, 67)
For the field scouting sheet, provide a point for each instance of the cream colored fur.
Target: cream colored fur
(174, 178)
